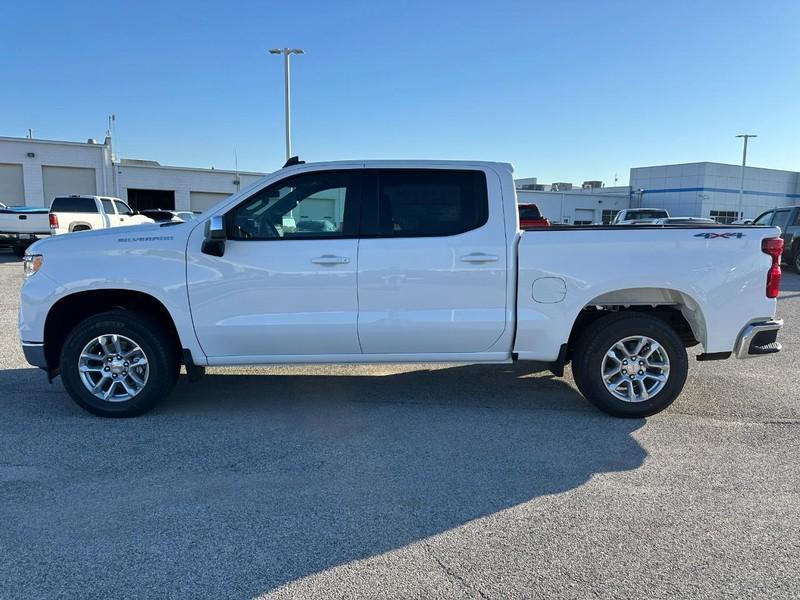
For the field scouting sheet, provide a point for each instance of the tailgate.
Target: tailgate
(24, 222)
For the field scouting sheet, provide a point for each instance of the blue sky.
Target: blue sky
(566, 91)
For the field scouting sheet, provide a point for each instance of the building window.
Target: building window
(725, 217)
(608, 215)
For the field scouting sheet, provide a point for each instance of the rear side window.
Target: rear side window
(529, 212)
(74, 205)
(425, 203)
(107, 206)
(781, 219)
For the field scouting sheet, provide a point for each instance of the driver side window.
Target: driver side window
(308, 206)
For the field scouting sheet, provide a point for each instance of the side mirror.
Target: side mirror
(214, 242)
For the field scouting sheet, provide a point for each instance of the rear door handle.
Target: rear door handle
(330, 259)
(479, 257)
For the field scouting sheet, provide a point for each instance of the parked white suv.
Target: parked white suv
(82, 213)
(394, 261)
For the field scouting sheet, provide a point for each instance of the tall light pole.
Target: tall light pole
(745, 136)
(287, 52)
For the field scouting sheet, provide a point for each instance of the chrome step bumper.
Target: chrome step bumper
(758, 339)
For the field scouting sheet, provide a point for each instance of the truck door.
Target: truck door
(109, 213)
(286, 284)
(431, 262)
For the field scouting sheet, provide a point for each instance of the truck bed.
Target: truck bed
(715, 274)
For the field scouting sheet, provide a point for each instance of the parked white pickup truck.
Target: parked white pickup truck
(20, 226)
(82, 213)
(398, 261)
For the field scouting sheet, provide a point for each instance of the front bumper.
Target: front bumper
(34, 354)
(758, 339)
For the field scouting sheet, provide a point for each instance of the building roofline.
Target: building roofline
(120, 164)
(42, 141)
(711, 162)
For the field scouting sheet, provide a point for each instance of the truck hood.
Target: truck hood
(147, 235)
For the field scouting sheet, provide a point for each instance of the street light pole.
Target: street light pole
(287, 84)
(745, 136)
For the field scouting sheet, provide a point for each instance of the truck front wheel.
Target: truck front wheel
(118, 364)
(630, 365)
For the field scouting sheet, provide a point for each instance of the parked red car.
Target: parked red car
(531, 217)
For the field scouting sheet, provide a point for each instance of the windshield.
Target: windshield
(635, 215)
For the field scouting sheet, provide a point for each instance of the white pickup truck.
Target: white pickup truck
(395, 261)
(20, 226)
(82, 213)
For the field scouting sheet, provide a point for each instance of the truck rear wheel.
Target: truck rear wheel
(118, 364)
(630, 365)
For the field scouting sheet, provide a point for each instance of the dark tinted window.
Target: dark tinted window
(74, 205)
(107, 206)
(634, 215)
(529, 212)
(781, 219)
(158, 215)
(431, 202)
(313, 205)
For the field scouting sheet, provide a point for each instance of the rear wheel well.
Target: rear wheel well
(68, 312)
(671, 315)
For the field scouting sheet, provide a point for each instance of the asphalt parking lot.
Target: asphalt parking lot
(402, 481)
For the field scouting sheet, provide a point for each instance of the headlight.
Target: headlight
(32, 263)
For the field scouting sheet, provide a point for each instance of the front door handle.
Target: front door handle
(479, 257)
(330, 259)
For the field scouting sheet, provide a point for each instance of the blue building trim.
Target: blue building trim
(724, 190)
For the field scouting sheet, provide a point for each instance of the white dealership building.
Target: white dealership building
(33, 171)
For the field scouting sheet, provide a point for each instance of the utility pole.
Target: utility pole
(287, 52)
(745, 137)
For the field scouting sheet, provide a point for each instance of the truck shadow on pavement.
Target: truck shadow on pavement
(241, 484)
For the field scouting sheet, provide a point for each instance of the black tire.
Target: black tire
(19, 250)
(80, 228)
(595, 342)
(162, 359)
(796, 261)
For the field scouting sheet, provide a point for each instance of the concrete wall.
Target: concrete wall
(183, 181)
(57, 154)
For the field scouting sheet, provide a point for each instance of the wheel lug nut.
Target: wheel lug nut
(624, 362)
(641, 362)
(641, 372)
(631, 375)
(114, 375)
(107, 369)
(126, 363)
(124, 373)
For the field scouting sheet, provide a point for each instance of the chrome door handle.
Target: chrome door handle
(330, 259)
(479, 257)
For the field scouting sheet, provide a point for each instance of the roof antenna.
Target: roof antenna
(294, 160)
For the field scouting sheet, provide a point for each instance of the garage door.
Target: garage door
(63, 181)
(205, 200)
(12, 191)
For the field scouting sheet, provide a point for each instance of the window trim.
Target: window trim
(371, 203)
(352, 210)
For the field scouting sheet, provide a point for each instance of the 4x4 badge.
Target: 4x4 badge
(726, 236)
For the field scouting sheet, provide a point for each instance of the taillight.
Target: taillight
(53, 221)
(773, 247)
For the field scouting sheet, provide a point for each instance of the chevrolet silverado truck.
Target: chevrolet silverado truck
(388, 262)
